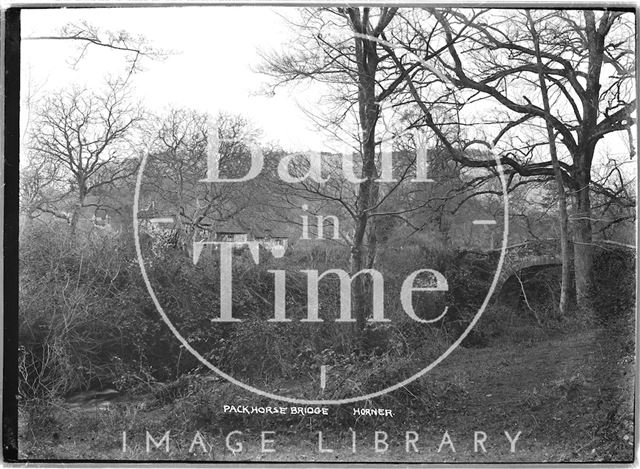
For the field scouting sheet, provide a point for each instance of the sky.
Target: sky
(212, 67)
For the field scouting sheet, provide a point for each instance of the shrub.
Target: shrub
(85, 319)
(615, 283)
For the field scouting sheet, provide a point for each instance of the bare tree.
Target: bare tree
(178, 164)
(335, 48)
(589, 70)
(42, 190)
(87, 135)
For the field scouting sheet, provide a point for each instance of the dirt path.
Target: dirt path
(499, 376)
(571, 395)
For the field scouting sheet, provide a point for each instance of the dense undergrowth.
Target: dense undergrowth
(87, 321)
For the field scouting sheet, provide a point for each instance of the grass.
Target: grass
(570, 395)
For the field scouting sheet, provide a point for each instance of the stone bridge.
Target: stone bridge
(521, 257)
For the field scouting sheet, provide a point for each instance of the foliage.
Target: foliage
(615, 284)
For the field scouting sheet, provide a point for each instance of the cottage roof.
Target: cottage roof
(230, 227)
(268, 232)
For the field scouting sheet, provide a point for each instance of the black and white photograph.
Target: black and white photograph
(320, 234)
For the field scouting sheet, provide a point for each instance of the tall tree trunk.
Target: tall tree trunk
(356, 264)
(360, 250)
(566, 288)
(595, 33)
(368, 112)
(583, 248)
(75, 215)
(372, 229)
(372, 244)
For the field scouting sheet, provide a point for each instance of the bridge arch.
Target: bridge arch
(516, 266)
(526, 256)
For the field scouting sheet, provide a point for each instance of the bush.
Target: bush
(614, 271)
(85, 319)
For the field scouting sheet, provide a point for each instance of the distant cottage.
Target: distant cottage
(233, 232)
(211, 230)
(229, 232)
(269, 239)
